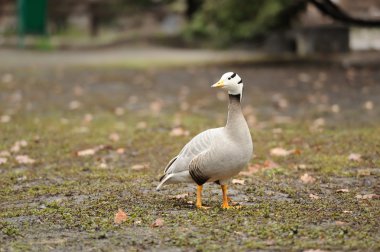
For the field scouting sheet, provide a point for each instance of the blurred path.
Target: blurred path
(134, 57)
(140, 57)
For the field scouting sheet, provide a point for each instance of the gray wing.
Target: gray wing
(199, 144)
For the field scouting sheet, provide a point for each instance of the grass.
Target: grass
(67, 202)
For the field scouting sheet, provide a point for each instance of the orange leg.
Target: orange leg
(225, 197)
(198, 204)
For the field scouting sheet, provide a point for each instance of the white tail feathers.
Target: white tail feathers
(180, 177)
(166, 178)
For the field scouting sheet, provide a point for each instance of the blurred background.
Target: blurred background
(275, 26)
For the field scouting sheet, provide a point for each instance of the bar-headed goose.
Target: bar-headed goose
(215, 155)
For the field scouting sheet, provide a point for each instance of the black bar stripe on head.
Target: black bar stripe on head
(233, 75)
(241, 81)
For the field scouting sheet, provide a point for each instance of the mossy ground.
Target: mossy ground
(66, 202)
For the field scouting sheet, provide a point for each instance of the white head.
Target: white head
(231, 82)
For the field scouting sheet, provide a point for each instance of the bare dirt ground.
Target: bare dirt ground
(77, 144)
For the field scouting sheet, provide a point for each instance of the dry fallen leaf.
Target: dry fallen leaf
(120, 217)
(343, 190)
(238, 181)
(103, 165)
(318, 124)
(78, 91)
(340, 223)
(24, 159)
(268, 164)
(141, 125)
(114, 137)
(307, 179)
(158, 223)
(87, 152)
(156, 106)
(280, 152)
(90, 152)
(304, 77)
(6, 78)
(120, 151)
(367, 196)
(354, 157)
(139, 167)
(368, 105)
(5, 118)
(335, 108)
(313, 196)
(3, 160)
(74, 105)
(181, 196)
(179, 131)
(18, 145)
(301, 167)
(88, 118)
(4, 154)
(119, 111)
(314, 250)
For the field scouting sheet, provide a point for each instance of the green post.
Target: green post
(32, 18)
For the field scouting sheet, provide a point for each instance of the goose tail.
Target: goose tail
(163, 179)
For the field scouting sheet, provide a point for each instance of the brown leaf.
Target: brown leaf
(179, 131)
(343, 190)
(139, 167)
(318, 124)
(238, 181)
(86, 152)
(158, 223)
(180, 196)
(103, 165)
(156, 106)
(335, 108)
(92, 151)
(280, 152)
(120, 151)
(268, 164)
(4, 154)
(340, 223)
(368, 196)
(24, 159)
(3, 160)
(18, 145)
(78, 91)
(141, 125)
(114, 137)
(5, 119)
(313, 196)
(354, 157)
(314, 250)
(120, 217)
(368, 105)
(74, 105)
(307, 179)
(301, 166)
(119, 111)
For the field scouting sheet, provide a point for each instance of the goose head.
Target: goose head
(231, 82)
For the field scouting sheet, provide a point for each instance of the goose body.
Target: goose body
(215, 155)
